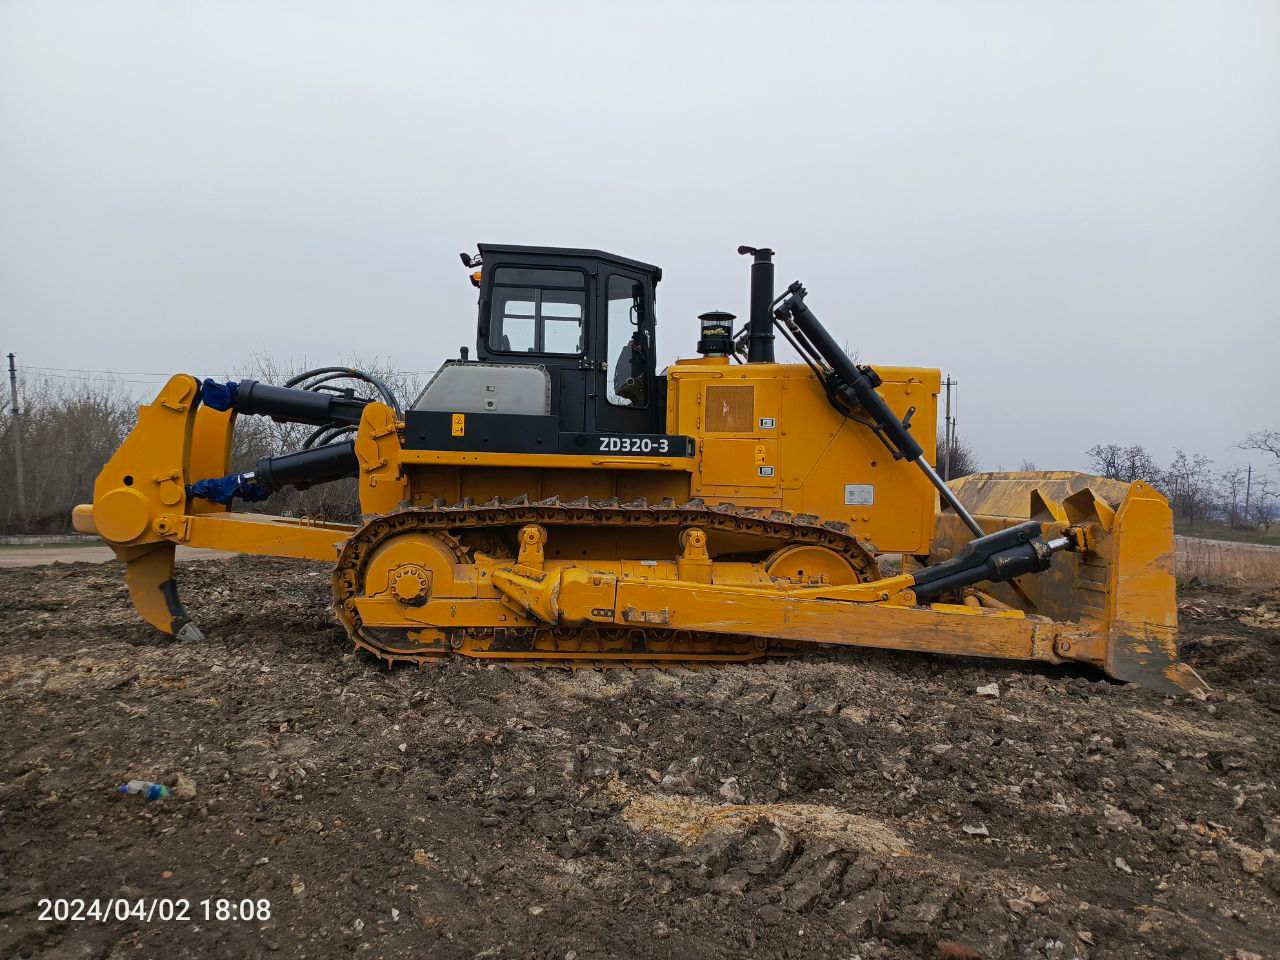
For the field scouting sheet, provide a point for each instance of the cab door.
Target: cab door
(624, 398)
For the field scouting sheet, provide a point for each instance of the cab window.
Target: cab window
(538, 311)
(628, 342)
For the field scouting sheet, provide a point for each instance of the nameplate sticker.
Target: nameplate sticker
(859, 494)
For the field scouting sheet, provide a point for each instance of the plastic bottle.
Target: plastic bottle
(148, 789)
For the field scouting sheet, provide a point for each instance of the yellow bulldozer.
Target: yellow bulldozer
(559, 501)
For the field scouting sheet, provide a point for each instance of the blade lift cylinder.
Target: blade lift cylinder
(855, 386)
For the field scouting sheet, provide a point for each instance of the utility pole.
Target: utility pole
(948, 432)
(1248, 486)
(17, 440)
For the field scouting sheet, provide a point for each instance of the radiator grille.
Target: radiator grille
(731, 409)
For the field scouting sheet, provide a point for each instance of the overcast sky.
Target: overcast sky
(1073, 208)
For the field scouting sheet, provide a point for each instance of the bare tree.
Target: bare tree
(1189, 483)
(1126, 464)
(69, 429)
(1264, 441)
(963, 460)
(1264, 505)
(1104, 460)
(1231, 484)
(1027, 466)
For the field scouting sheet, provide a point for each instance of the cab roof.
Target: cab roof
(505, 248)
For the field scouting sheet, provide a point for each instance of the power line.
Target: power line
(123, 373)
(89, 376)
(165, 376)
(83, 376)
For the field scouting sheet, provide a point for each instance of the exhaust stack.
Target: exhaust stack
(760, 324)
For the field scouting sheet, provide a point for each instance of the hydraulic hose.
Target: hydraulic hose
(313, 379)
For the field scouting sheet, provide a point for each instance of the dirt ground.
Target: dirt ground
(857, 804)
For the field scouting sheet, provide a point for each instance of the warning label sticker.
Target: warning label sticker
(859, 494)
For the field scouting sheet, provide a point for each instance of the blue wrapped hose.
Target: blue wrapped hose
(224, 489)
(218, 396)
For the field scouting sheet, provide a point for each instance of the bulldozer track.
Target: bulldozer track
(575, 648)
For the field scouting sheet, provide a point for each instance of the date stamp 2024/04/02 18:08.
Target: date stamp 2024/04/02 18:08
(150, 910)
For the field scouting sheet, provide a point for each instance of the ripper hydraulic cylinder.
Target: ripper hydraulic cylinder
(297, 406)
(306, 468)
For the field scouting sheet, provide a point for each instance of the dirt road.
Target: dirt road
(35, 556)
(1233, 544)
(856, 804)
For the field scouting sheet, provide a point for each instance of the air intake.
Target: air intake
(730, 409)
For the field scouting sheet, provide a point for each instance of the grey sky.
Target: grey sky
(1074, 208)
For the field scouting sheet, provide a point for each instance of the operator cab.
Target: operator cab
(585, 316)
(565, 360)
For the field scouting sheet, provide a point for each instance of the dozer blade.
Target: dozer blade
(1120, 590)
(154, 592)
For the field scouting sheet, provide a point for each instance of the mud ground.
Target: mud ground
(858, 804)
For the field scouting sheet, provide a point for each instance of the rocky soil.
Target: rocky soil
(857, 804)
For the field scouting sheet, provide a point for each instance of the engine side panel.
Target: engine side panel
(768, 437)
(470, 387)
